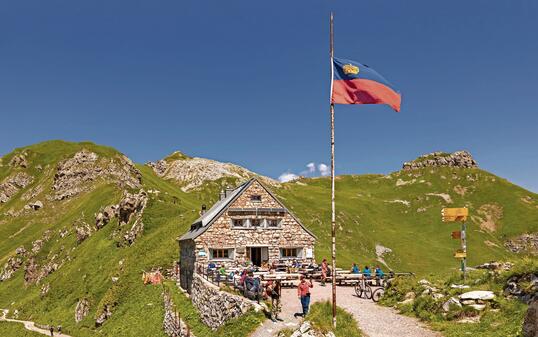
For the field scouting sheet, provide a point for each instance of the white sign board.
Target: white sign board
(309, 253)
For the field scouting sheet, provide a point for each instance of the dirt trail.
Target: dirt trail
(374, 320)
(28, 325)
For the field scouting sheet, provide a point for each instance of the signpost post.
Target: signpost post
(458, 215)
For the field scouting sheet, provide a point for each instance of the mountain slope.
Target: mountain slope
(402, 212)
(71, 253)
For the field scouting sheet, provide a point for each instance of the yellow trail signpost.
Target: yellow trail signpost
(458, 215)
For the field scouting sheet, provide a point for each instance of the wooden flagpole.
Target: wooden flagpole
(333, 212)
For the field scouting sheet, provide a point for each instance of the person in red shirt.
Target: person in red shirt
(303, 292)
(324, 268)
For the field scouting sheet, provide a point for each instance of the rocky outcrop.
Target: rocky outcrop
(210, 302)
(462, 159)
(131, 204)
(13, 184)
(19, 160)
(82, 309)
(173, 325)
(134, 232)
(102, 218)
(12, 265)
(194, 172)
(82, 231)
(30, 271)
(105, 314)
(75, 174)
(496, 266)
(530, 323)
(524, 287)
(526, 243)
(33, 273)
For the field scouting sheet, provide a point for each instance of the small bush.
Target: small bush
(320, 316)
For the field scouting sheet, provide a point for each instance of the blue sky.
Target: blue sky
(247, 81)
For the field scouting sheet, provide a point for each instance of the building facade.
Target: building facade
(248, 223)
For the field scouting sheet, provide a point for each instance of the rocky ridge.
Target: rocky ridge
(194, 172)
(462, 159)
(74, 174)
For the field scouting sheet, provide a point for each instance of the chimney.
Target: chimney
(203, 210)
(222, 195)
(229, 191)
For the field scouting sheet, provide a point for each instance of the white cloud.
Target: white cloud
(311, 167)
(324, 170)
(287, 176)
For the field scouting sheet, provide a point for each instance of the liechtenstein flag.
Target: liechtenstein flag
(356, 83)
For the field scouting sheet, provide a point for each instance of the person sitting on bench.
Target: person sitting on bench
(367, 273)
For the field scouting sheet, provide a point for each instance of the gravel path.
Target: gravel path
(374, 320)
(29, 325)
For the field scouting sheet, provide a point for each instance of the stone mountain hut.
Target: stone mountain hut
(248, 223)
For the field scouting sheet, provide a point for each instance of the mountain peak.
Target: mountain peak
(193, 172)
(442, 159)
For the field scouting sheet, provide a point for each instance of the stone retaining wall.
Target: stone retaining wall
(173, 325)
(216, 307)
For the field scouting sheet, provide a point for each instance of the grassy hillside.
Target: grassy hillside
(402, 211)
(372, 210)
(92, 263)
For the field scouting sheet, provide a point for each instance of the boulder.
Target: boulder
(451, 302)
(478, 307)
(34, 205)
(410, 295)
(102, 218)
(83, 231)
(484, 295)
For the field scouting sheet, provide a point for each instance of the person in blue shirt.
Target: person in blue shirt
(355, 269)
(379, 274)
(366, 272)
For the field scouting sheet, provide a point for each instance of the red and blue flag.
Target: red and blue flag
(356, 83)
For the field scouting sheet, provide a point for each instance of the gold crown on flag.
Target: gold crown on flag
(350, 69)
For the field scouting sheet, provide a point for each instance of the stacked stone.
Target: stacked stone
(172, 324)
(216, 307)
(461, 159)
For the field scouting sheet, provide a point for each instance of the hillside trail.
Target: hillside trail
(374, 320)
(28, 325)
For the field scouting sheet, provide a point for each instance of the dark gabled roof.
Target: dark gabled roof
(204, 222)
